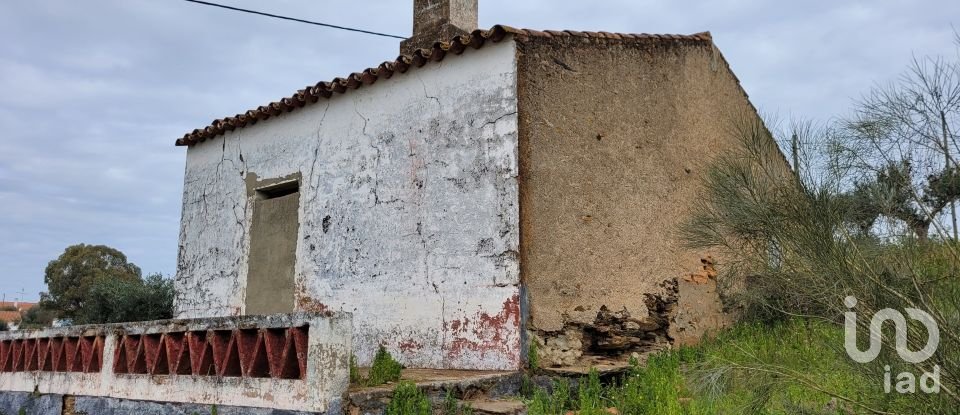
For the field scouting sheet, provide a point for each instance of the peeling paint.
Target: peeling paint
(408, 212)
(498, 333)
(409, 346)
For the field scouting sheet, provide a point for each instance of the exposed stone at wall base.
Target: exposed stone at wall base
(111, 406)
(700, 311)
(613, 334)
(685, 310)
(11, 403)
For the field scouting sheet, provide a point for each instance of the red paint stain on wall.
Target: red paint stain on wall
(485, 333)
(409, 345)
(305, 303)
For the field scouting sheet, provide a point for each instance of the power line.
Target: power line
(294, 19)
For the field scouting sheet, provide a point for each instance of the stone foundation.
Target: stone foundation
(11, 403)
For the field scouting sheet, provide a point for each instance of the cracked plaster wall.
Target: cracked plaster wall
(408, 212)
(615, 136)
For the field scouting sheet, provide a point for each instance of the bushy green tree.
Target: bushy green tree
(890, 192)
(38, 316)
(122, 300)
(71, 276)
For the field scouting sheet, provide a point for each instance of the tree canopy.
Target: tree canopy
(70, 277)
(118, 300)
(901, 145)
(91, 284)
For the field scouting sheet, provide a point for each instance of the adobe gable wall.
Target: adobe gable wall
(614, 136)
(408, 212)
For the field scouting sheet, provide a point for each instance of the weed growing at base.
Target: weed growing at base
(384, 369)
(717, 377)
(451, 406)
(408, 400)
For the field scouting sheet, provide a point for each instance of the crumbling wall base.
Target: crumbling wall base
(684, 311)
(612, 335)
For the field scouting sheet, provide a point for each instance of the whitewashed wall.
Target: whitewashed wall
(415, 178)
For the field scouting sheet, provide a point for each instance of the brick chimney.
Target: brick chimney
(436, 20)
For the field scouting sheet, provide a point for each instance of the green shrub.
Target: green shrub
(354, 370)
(527, 386)
(384, 369)
(533, 357)
(38, 316)
(407, 399)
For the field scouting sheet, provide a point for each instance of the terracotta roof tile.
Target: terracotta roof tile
(403, 63)
(12, 315)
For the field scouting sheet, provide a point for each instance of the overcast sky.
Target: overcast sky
(93, 93)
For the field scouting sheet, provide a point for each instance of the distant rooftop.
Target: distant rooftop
(7, 312)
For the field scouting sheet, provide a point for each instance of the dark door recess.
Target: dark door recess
(273, 246)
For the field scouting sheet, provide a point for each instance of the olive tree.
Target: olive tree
(902, 145)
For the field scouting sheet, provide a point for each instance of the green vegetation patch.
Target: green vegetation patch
(408, 400)
(385, 369)
(791, 367)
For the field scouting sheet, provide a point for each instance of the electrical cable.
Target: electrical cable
(294, 19)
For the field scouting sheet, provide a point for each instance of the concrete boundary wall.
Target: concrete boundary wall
(286, 361)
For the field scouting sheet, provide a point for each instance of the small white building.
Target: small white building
(499, 188)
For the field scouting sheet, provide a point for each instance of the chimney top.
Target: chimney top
(435, 20)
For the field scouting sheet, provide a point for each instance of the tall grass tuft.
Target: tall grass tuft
(791, 250)
(407, 399)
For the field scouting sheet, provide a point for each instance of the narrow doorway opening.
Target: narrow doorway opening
(273, 246)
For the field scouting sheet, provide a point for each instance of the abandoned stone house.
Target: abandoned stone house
(485, 191)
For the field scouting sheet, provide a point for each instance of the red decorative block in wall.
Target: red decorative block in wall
(52, 354)
(256, 353)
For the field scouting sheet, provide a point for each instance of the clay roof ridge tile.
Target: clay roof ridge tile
(402, 63)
